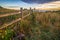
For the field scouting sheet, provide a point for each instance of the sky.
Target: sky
(16, 4)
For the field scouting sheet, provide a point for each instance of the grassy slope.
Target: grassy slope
(4, 10)
(47, 26)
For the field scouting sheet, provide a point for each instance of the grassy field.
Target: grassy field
(42, 26)
(37, 26)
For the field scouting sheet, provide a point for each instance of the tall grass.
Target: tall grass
(45, 26)
(40, 26)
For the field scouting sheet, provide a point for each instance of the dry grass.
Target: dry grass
(47, 25)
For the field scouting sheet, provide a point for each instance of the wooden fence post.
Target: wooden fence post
(21, 10)
(34, 9)
(31, 11)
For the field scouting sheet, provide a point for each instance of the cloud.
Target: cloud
(49, 5)
(38, 1)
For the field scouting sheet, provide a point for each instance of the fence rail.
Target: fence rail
(4, 15)
(6, 25)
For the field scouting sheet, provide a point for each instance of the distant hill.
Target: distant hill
(1, 7)
(5, 10)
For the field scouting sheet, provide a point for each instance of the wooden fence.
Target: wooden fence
(15, 21)
(12, 22)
